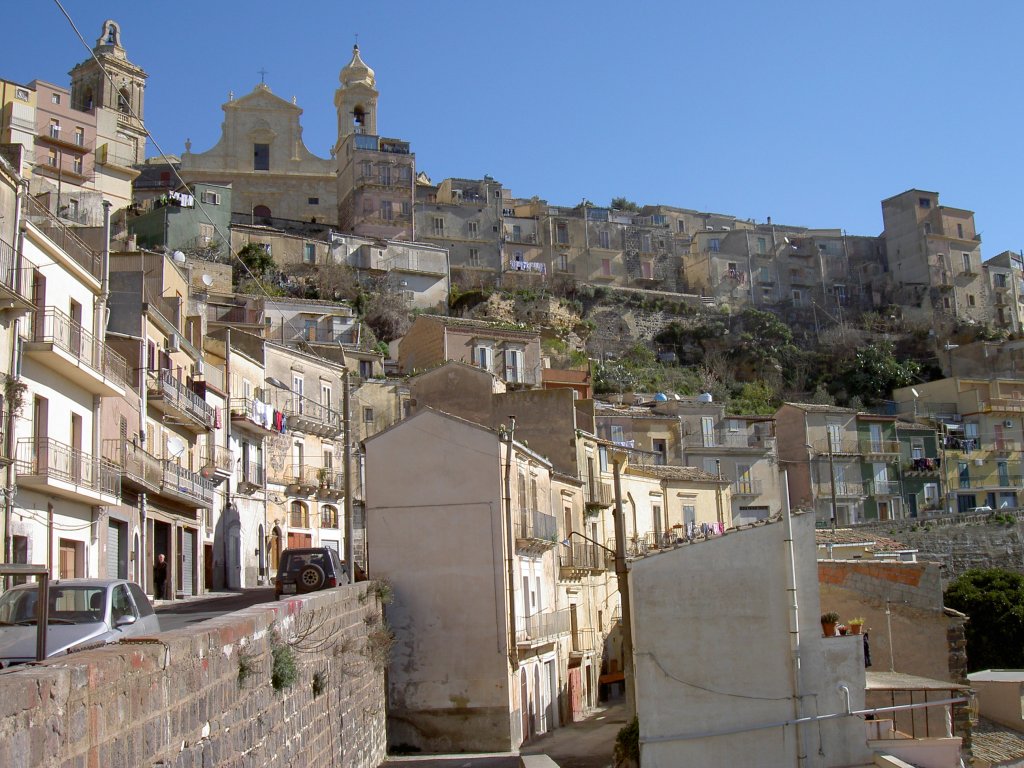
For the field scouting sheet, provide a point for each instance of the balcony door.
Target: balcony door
(77, 460)
(875, 431)
(75, 331)
(40, 432)
(39, 300)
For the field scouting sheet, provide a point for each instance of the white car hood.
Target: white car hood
(18, 643)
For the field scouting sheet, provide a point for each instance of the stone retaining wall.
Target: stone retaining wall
(206, 698)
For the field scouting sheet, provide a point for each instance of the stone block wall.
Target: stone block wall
(206, 697)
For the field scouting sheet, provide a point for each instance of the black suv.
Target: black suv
(308, 570)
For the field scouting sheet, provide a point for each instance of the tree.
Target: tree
(258, 262)
(624, 204)
(993, 598)
(755, 397)
(875, 372)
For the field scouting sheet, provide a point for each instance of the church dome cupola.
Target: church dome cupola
(356, 72)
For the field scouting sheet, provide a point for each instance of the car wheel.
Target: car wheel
(311, 578)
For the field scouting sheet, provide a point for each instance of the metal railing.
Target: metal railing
(584, 640)
(1002, 404)
(533, 524)
(884, 487)
(583, 555)
(843, 445)
(61, 235)
(843, 488)
(541, 626)
(305, 415)
(164, 384)
(879, 446)
(250, 475)
(216, 456)
(185, 482)
(17, 278)
(302, 477)
(747, 487)
(51, 326)
(43, 457)
(134, 461)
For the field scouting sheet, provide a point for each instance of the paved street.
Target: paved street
(176, 614)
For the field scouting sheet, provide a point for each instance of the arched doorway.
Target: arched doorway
(261, 211)
(275, 549)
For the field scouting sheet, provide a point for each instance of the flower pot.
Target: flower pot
(828, 628)
(855, 628)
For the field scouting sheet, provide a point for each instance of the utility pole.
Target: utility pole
(622, 575)
(832, 477)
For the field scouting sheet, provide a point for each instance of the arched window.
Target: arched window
(261, 211)
(124, 100)
(359, 119)
(328, 516)
(299, 515)
(275, 548)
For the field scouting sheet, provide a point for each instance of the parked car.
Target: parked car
(308, 569)
(82, 612)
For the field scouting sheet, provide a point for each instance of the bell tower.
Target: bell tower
(356, 99)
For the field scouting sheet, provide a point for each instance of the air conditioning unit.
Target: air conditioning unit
(173, 343)
(1008, 423)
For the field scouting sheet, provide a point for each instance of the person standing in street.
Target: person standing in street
(160, 578)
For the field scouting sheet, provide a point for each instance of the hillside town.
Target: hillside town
(211, 358)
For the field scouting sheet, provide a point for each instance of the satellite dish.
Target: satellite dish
(207, 280)
(179, 257)
(175, 445)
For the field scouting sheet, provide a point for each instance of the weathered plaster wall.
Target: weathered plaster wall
(183, 700)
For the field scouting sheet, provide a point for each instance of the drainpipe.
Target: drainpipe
(794, 624)
(15, 373)
(513, 656)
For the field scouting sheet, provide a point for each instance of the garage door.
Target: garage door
(115, 541)
(188, 557)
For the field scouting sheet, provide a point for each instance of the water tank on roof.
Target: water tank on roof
(661, 397)
(704, 397)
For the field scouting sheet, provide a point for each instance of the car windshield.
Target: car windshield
(68, 605)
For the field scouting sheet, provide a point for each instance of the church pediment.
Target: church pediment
(262, 98)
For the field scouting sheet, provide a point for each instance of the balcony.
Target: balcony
(56, 468)
(747, 488)
(301, 480)
(845, 446)
(922, 467)
(252, 416)
(844, 489)
(883, 488)
(1002, 405)
(217, 463)
(1005, 447)
(15, 281)
(517, 265)
(583, 642)
(185, 486)
(312, 418)
(580, 559)
(61, 235)
(178, 402)
(250, 478)
(536, 532)
(61, 344)
(598, 495)
(330, 484)
(871, 447)
(139, 468)
(542, 628)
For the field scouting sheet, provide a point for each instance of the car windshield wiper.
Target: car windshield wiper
(30, 622)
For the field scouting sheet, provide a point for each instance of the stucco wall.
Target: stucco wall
(713, 659)
(183, 700)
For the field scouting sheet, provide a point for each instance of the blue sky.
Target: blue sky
(807, 112)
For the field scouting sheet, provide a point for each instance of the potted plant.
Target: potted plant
(855, 625)
(828, 623)
(842, 629)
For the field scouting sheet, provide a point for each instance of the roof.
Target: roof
(693, 474)
(997, 676)
(849, 537)
(473, 324)
(565, 375)
(818, 408)
(900, 681)
(995, 743)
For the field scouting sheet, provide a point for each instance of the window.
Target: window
(210, 198)
(713, 244)
(77, 166)
(313, 201)
(960, 230)
(1000, 279)
(603, 239)
(206, 232)
(54, 129)
(513, 365)
(484, 357)
(72, 203)
(681, 226)
(406, 208)
(309, 253)
(326, 395)
(970, 299)
(562, 233)
(927, 228)
(366, 169)
(762, 245)
(438, 226)
(21, 94)
(798, 298)
(924, 202)
(51, 158)
(474, 229)
(405, 173)
(474, 257)
(384, 175)
(517, 255)
(561, 262)
(298, 390)
(606, 267)
(645, 242)
(368, 415)
(967, 262)
(80, 136)
(328, 516)
(366, 369)
(385, 210)
(55, 98)
(299, 517)
(261, 157)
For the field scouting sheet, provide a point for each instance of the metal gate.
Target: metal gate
(117, 543)
(188, 559)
